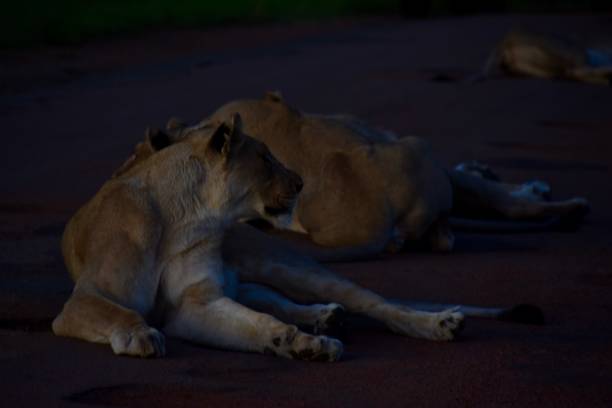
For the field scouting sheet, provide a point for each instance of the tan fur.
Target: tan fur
(523, 52)
(150, 248)
(366, 190)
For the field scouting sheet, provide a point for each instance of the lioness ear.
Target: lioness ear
(227, 136)
(220, 140)
(157, 139)
(274, 96)
(175, 124)
(236, 125)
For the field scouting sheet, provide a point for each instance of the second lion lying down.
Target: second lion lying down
(158, 246)
(367, 190)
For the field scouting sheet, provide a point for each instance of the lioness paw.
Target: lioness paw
(540, 189)
(534, 191)
(317, 348)
(330, 317)
(301, 346)
(447, 325)
(425, 325)
(141, 341)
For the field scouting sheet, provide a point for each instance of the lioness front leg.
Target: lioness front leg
(224, 323)
(321, 317)
(314, 283)
(95, 318)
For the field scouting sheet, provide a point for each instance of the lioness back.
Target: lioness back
(301, 141)
(360, 183)
(120, 207)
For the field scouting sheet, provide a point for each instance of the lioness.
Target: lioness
(528, 53)
(146, 250)
(366, 190)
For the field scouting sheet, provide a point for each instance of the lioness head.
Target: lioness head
(241, 172)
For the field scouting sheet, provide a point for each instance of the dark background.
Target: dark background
(36, 22)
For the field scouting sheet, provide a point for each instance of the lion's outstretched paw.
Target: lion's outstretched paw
(330, 318)
(447, 324)
(477, 169)
(141, 341)
(533, 191)
(318, 348)
(302, 346)
(424, 325)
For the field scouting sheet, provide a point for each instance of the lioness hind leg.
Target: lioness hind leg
(94, 318)
(226, 324)
(519, 210)
(314, 283)
(321, 317)
(475, 196)
(534, 190)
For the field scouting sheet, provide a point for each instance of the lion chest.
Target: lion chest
(194, 262)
